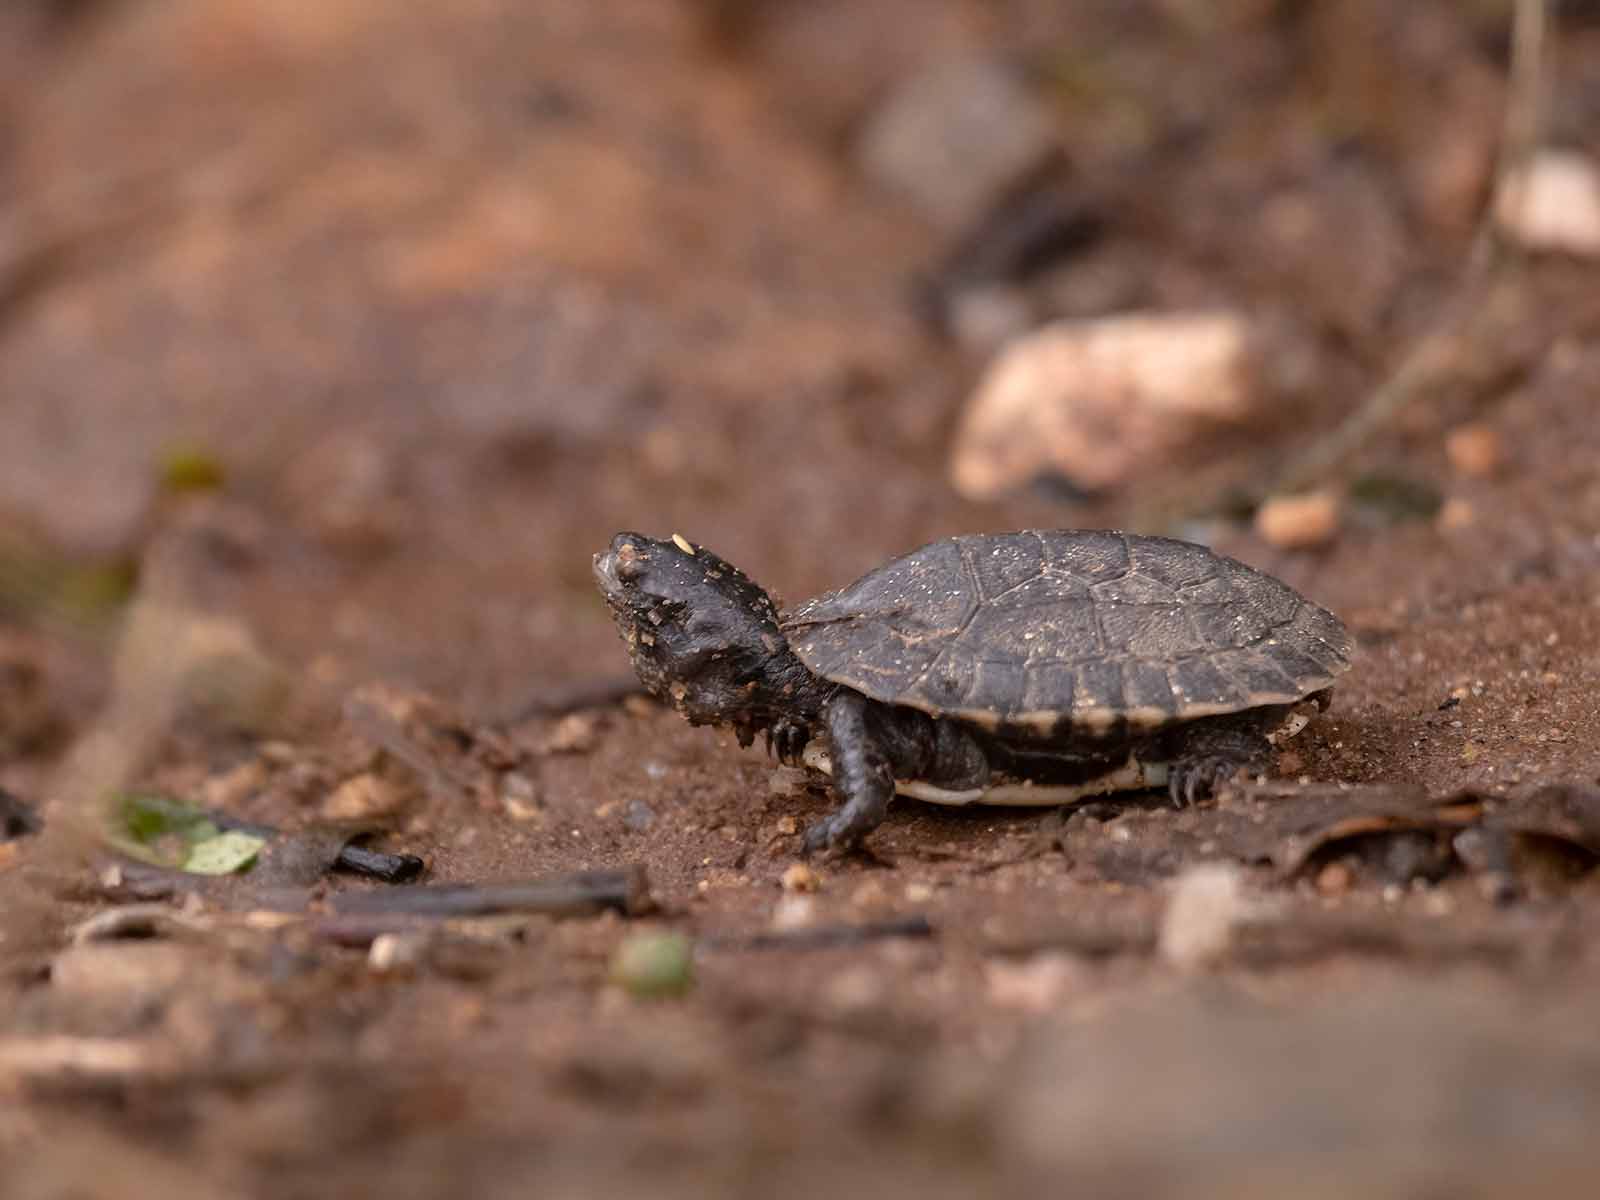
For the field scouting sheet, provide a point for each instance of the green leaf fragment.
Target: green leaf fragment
(167, 832)
(223, 854)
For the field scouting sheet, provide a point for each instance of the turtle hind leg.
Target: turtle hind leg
(863, 778)
(1209, 757)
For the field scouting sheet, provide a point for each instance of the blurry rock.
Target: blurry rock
(398, 953)
(1554, 204)
(1335, 879)
(794, 910)
(519, 797)
(1034, 986)
(1456, 514)
(1097, 401)
(361, 798)
(1474, 450)
(1207, 904)
(574, 734)
(954, 137)
(798, 877)
(1299, 522)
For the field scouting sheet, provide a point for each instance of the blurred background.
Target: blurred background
(349, 331)
(424, 305)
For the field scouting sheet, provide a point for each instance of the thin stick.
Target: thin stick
(626, 891)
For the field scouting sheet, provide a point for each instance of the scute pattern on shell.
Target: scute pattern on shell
(1086, 630)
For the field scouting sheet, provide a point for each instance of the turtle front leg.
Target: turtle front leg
(863, 779)
(1210, 757)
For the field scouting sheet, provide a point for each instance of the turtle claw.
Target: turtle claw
(788, 738)
(1197, 779)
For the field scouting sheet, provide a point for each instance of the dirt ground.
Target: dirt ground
(335, 339)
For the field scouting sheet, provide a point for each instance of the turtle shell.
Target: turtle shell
(1056, 631)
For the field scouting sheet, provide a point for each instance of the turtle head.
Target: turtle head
(703, 636)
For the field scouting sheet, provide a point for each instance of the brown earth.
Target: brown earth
(443, 296)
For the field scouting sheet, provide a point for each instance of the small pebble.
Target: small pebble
(919, 893)
(395, 952)
(654, 965)
(1299, 522)
(794, 911)
(1455, 514)
(361, 798)
(573, 734)
(798, 877)
(787, 781)
(1474, 450)
(518, 797)
(788, 826)
(1554, 204)
(1334, 879)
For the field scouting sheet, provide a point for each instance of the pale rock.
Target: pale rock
(1299, 522)
(798, 877)
(1474, 450)
(1099, 400)
(1206, 906)
(794, 910)
(1553, 204)
(360, 798)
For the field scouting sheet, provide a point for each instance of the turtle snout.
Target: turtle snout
(622, 564)
(605, 572)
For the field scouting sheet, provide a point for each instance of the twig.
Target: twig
(626, 891)
(389, 868)
(1424, 361)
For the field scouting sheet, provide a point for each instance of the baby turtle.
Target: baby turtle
(1011, 668)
